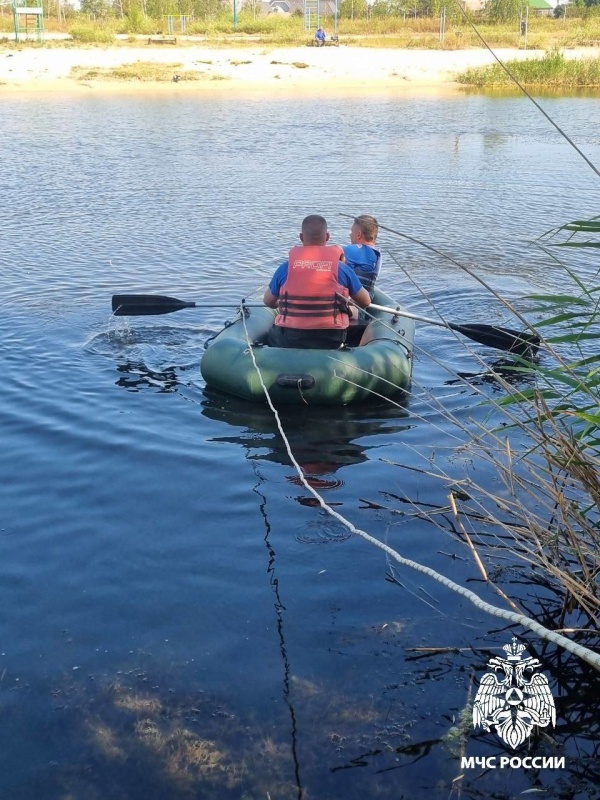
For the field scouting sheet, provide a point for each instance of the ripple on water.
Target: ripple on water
(323, 531)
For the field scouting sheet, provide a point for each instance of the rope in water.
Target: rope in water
(572, 647)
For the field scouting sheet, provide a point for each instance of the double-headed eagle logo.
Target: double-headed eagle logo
(513, 704)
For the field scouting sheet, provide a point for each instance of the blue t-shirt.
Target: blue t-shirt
(346, 277)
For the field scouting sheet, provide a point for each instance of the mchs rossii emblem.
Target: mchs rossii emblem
(514, 702)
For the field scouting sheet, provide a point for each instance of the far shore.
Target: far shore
(260, 69)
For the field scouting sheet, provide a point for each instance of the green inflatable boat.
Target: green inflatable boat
(376, 361)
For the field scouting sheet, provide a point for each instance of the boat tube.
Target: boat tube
(375, 362)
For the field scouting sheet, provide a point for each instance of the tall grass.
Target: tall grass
(393, 32)
(397, 31)
(553, 70)
(541, 444)
(138, 71)
(92, 33)
(563, 411)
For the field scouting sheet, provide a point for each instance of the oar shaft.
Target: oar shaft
(402, 313)
(518, 342)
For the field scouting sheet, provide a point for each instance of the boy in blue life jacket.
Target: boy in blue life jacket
(361, 253)
(310, 292)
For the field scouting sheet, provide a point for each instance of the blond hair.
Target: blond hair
(368, 226)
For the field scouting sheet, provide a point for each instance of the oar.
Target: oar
(138, 305)
(518, 342)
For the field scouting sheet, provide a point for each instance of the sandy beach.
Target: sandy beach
(264, 69)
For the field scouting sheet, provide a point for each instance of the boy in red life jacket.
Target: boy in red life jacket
(308, 291)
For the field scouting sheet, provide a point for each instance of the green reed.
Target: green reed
(542, 442)
(551, 71)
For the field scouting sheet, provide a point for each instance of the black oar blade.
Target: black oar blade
(518, 342)
(139, 305)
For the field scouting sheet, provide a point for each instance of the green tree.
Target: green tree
(253, 8)
(503, 10)
(390, 8)
(380, 8)
(98, 9)
(432, 8)
(353, 9)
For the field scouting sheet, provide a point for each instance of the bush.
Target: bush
(136, 22)
(255, 26)
(91, 33)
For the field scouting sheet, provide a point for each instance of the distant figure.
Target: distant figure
(309, 291)
(320, 37)
(361, 254)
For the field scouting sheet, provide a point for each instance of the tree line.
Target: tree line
(494, 11)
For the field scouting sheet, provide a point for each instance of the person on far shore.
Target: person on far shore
(320, 36)
(361, 253)
(310, 292)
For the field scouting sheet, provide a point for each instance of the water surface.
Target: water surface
(179, 619)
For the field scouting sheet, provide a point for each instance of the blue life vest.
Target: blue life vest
(366, 262)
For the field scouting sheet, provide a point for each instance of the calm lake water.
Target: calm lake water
(178, 620)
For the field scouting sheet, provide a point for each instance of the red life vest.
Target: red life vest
(308, 298)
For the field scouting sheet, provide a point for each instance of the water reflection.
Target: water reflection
(136, 376)
(545, 92)
(322, 440)
(279, 609)
(150, 356)
(500, 372)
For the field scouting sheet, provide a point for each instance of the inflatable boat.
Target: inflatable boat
(374, 364)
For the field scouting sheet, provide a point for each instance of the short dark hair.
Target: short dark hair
(368, 225)
(314, 228)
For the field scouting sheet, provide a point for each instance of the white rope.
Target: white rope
(589, 656)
